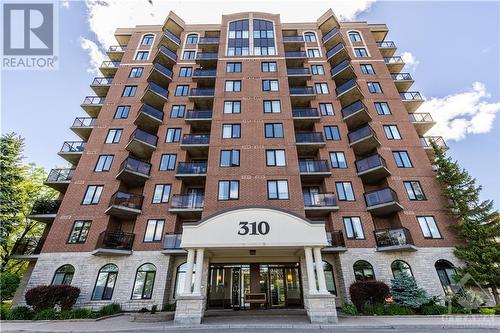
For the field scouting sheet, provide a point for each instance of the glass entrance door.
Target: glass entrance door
(277, 282)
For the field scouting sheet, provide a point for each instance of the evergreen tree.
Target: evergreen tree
(405, 292)
(478, 223)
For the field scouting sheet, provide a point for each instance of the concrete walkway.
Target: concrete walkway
(124, 323)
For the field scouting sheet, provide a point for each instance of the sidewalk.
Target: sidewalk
(123, 323)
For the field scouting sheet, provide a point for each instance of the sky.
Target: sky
(451, 49)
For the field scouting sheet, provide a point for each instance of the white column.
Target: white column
(189, 272)
(319, 271)
(311, 280)
(199, 272)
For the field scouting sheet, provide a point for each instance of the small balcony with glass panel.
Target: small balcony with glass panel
(44, 210)
(411, 100)
(83, 126)
(149, 118)
(192, 172)
(187, 205)
(305, 117)
(319, 204)
(295, 59)
(92, 105)
(355, 115)
(427, 144)
(205, 77)
(291, 40)
(403, 81)
(160, 75)
(142, 144)
(337, 54)
(155, 95)
(336, 242)
(200, 120)
(116, 52)
(387, 48)
(372, 169)
(114, 243)
(170, 40)
(125, 205)
(363, 140)
(343, 72)
(314, 170)
(209, 42)
(122, 37)
(134, 172)
(172, 244)
(196, 144)
(207, 59)
(395, 64)
(59, 179)
(394, 240)
(382, 202)
(332, 37)
(72, 151)
(309, 142)
(301, 95)
(27, 249)
(348, 93)
(109, 68)
(101, 85)
(165, 56)
(422, 122)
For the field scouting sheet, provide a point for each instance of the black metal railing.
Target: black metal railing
(151, 111)
(393, 237)
(295, 54)
(420, 117)
(394, 60)
(318, 200)
(204, 72)
(208, 40)
(334, 50)
(202, 92)
(411, 96)
(192, 168)
(335, 239)
(302, 91)
(102, 81)
(428, 140)
(157, 89)
(370, 162)
(172, 37)
(386, 45)
(298, 71)
(312, 166)
(84, 122)
(199, 114)
(401, 76)
(164, 70)
(352, 108)
(309, 137)
(110, 64)
(60, 175)
(93, 100)
(115, 240)
(45, 207)
(186, 201)
(195, 139)
(330, 34)
(207, 56)
(144, 136)
(73, 147)
(135, 165)
(126, 199)
(168, 52)
(305, 112)
(380, 197)
(293, 39)
(360, 133)
(172, 241)
(28, 246)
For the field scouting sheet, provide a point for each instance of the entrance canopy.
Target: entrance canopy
(254, 227)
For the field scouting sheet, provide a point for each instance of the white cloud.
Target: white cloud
(410, 60)
(95, 54)
(462, 114)
(65, 4)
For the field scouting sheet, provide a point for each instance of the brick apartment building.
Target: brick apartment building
(224, 165)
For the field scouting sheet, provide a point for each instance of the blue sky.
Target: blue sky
(454, 44)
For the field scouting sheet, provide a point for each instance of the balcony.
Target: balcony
(302, 95)
(293, 41)
(170, 40)
(394, 64)
(160, 74)
(187, 206)
(82, 126)
(125, 205)
(396, 239)
(172, 244)
(155, 95)
(109, 68)
(196, 144)
(200, 120)
(363, 140)
(59, 179)
(387, 49)
(123, 37)
(332, 37)
(314, 170)
(116, 52)
(165, 56)
(207, 59)
(309, 142)
(298, 76)
(295, 58)
(403, 81)
(379, 31)
(320, 204)
(422, 122)
(209, 44)
(149, 118)
(44, 211)
(27, 249)
(100, 85)
(412, 100)
(134, 172)
(427, 144)
(114, 242)
(142, 144)
(205, 76)
(355, 115)
(372, 169)
(305, 117)
(72, 151)
(382, 202)
(337, 54)
(348, 93)
(202, 97)
(92, 105)
(336, 242)
(343, 72)
(192, 172)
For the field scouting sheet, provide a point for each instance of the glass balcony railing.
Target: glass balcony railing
(208, 40)
(28, 246)
(298, 71)
(172, 241)
(60, 175)
(102, 81)
(293, 39)
(305, 112)
(320, 200)
(370, 162)
(73, 147)
(313, 166)
(401, 77)
(330, 34)
(192, 168)
(127, 200)
(93, 100)
(295, 54)
(153, 112)
(411, 96)
(168, 52)
(110, 64)
(204, 72)
(335, 239)
(196, 139)
(420, 117)
(380, 197)
(144, 136)
(394, 60)
(345, 87)
(386, 45)
(164, 70)
(393, 237)
(428, 140)
(135, 165)
(207, 56)
(186, 201)
(302, 91)
(172, 37)
(45, 207)
(340, 67)
(352, 108)
(202, 92)
(84, 122)
(157, 89)
(334, 50)
(115, 240)
(199, 114)
(309, 137)
(117, 48)
(360, 133)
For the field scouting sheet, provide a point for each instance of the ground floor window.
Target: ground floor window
(180, 277)
(363, 271)
(105, 283)
(330, 278)
(64, 275)
(445, 270)
(144, 281)
(400, 267)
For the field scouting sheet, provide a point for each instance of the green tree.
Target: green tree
(479, 223)
(405, 292)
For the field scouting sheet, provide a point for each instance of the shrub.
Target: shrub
(21, 313)
(487, 311)
(374, 309)
(368, 292)
(497, 309)
(47, 314)
(398, 310)
(433, 309)
(143, 310)
(110, 309)
(349, 310)
(76, 314)
(169, 307)
(154, 308)
(8, 285)
(405, 292)
(47, 297)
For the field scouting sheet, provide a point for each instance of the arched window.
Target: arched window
(105, 283)
(329, 277)
(445, 271)
(400, 267)
(180, 277)
(192, 39)
(354, 36)
(64, 275)
(363, 271)
(148, 39)
(144, 282)
(310, 37)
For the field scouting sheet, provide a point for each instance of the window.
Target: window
(446, 272)
(269, 67)
(188, 55)
(374, 87)
(186, 72)
(354, 36)
(154, 230)
(142, 55)
(272, 106)
(232, 106)
(161, 193)
(180, 278)
(233, 67)
(329, 278)
(270, 85)
(392, 132)
(326, 109)
(238, 38)
(414, 190)
(135, 72)
(129, 91)
(105, 283)
(167, 162)
(317, 70)
(402, 159)
(428, 226)
(263, 37)
(382, 108)
(230, 158)
(144, 281)
(147, 39)
(277, 190)
(192, 39)
(92, 195)
(103, 163)
(63, 275)
(363, 271)
(273, 130)
(400, 267)
(367, 69)
(173, 135)
(345, 191)
(321, 88)
(181, 90)
(232, 85)
(231, 131)
(337, 158)
(353, 228)
(177, 111)
(122, 112)
(275, 157)
(360, 52)
(313, 53)
(229, 190)
(332, 133)
(310, 37)
(79, 232)
(113, 136)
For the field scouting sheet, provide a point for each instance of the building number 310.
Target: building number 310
(254, 228)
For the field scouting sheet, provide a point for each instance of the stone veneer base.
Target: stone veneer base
(321, 308)
(189, 309)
